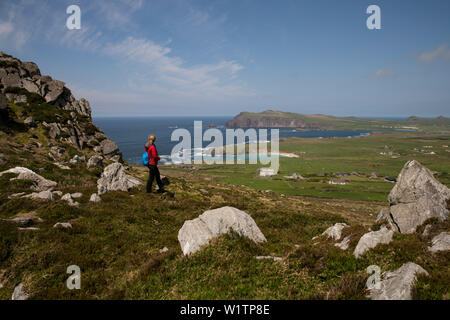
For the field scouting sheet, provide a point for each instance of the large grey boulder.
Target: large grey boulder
(30, 85)
(335, 232)
(114, 178)
(372, 239)
(416, 197)
(441, 242)
(53, 90)
(212, 223)
(39, 182)
(19, 293)
(398, 284)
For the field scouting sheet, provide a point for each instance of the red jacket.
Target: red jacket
(153, 157)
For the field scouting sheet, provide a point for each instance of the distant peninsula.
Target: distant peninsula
(280, 119)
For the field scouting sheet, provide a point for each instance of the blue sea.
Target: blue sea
(130, 133)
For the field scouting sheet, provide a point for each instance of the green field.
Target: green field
(343, 155)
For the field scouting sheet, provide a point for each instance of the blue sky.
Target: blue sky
(207, 57)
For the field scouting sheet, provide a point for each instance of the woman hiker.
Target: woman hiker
(153, 159)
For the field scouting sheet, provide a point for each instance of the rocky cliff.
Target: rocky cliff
(31, 100)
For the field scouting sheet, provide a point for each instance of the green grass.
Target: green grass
(334, 155)
(117, 242)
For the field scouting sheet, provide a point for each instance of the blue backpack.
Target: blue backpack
(145, 158)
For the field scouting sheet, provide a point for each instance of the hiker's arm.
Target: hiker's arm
(156, 154)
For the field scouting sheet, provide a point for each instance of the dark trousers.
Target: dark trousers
(154, 173)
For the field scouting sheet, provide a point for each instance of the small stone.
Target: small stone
(65, 225)
(19, 293)
(95, 198)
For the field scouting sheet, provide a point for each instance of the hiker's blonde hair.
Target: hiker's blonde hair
(151, 138)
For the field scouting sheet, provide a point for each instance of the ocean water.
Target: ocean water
(130, 133)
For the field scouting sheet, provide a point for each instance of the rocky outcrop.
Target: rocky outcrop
(398, 284)
(416, 197)
(109, 148)
(17, 74)
(441, 242)
(23, 82)
(335, 232)
(372, 239)
(114, 178)
(39, 182)
(198, 232)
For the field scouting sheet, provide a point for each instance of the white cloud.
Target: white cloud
(5, 28)
(440, 53)
(384, 73)
(170, 75)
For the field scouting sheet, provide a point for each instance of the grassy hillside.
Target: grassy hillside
(117, 242)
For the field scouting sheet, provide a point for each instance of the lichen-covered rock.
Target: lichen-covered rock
(212, 223)
(372, 239)
(398, 284)
(39, 182)
(416, 197)
(441, 242)
(114, 178)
